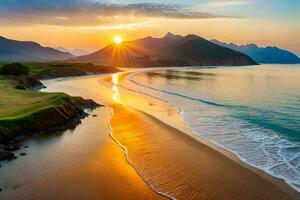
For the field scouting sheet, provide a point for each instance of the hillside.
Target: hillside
(25, 112)
(170, 50)
(199, 51)
(75, 52)
(13, 50)
(267, 55)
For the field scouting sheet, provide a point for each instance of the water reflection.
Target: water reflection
(115, 88)
(179, 75)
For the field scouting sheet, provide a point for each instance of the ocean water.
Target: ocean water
(253, 112)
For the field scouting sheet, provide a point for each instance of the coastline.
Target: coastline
(278, 182)
(115, 95)
(66, 114)
(264, 186)
(52, 112)
(132, 164)
(175, 171)
(281, 182)
(84, 163)
(59, 113)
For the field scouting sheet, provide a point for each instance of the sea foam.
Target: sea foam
(245, 130)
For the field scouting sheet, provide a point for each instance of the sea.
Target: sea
(252, 111)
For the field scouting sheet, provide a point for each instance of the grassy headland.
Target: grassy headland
(59, 69)
(55, 70)
(24, 111)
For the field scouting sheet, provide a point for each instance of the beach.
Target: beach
(149, 100)
(81, 164)
(127, 153)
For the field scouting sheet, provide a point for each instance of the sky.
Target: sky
(91, 24)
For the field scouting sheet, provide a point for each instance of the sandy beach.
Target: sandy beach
(81, 164)
(182, 167)
(144, 158)
(149, 100)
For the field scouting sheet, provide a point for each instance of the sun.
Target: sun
(118, 39)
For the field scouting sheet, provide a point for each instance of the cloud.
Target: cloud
(128, 26)
(223, 3)
(87, 12)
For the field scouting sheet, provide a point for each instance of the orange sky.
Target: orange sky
(58, 27)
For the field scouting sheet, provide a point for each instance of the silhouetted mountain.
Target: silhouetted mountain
(75, 52)
(267, 55)
(13, 50)
(170, 50)
(199, 51)
(153, 44)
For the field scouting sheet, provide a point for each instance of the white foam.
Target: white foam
(257, 146)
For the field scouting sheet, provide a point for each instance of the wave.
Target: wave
(134, 166)
(266, 150)
(246, 109)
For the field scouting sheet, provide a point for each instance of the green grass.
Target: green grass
(35, 68)
(6, 81)
(19, 103)
(20, 109)
(58, 68)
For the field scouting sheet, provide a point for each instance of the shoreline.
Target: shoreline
(181, 135)
(84, 163)
(61, 112)
(132, 164)
(281, 183)
(66, 115)
(112, 173)
(210, 143)
(149, 178)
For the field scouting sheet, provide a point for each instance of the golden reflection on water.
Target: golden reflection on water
(115, 88)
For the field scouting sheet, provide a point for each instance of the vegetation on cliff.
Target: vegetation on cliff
(61, 69)
(24, 111)
(16, 69)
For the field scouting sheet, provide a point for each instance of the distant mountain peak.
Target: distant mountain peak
(62, 49)
(149, 37)
(192, 37)
(170, 35)
(169, 50)
(268, 55)
(75, 52)
(252, 45)
(14, 50)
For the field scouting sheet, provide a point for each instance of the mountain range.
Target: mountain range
(75, 52)
(169, 50)
(13, 50)
(266, 55)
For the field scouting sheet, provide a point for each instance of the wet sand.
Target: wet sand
(83, 164)
(166, 158)
(183, 168)
(179, 166)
